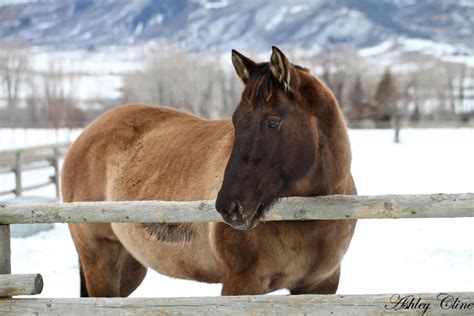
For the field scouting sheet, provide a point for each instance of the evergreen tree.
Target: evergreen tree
(386, 95)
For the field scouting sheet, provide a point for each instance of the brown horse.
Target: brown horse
(287, 137)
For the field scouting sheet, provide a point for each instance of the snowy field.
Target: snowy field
(386, 256)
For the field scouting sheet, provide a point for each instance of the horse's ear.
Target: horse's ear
(281, 68)
(243, 66)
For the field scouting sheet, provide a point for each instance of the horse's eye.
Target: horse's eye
(273, 123)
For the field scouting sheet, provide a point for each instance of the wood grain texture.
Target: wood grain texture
(5, 253)
(20, 284)
(236, 305)
(308, 208)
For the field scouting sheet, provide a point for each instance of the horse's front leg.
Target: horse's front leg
(242, 265)
(243, 283)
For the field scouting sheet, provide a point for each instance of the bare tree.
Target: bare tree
(356, 100)
(387, 95)
(199, 83)
(196, 83)
(58, 98)
(13, 65)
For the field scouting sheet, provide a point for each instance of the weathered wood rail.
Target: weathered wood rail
(311, 208)
(30, 158)
(20, 284)
(236, 305)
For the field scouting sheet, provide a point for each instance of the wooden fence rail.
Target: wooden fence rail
(241, 305)
(20, 284)
(309, 208)
(29, 158)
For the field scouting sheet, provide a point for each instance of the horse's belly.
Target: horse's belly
(192, 259)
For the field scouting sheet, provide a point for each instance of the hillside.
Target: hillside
(203, 25)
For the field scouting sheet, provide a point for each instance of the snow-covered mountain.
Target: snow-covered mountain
(200, 25)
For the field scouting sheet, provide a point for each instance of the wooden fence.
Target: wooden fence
(315, 208)
(30, 158)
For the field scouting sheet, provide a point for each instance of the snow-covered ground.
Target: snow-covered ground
(386, 256)
(11, 138)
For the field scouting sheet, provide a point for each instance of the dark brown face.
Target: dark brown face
(274, 148)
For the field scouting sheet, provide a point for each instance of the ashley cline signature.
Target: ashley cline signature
(445, 301)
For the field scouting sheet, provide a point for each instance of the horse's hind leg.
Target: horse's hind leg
(107, 269)
(326, 286)
(83, 282)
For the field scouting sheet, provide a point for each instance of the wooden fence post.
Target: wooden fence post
(56, 170)
(18, 162)
(5, 254)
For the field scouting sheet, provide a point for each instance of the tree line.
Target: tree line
(414, 89)
(418, 88)
(34, 98)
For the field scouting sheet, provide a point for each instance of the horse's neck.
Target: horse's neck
(332, 174)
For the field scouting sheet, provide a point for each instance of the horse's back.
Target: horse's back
(145, 152)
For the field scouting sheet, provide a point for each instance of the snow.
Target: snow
(157, 20)
(467, 3)
(213, 4)
(276, 19)
(87, 75)
(417, 44)
(389, 50)
(377, 49)
(19, 138)
(298, 8)
(466, 58)
(11, 138)
(386, 256)
(111, 60)
(9, 2)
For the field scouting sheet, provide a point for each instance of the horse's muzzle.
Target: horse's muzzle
(235, 215)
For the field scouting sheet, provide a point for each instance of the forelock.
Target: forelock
(260, 85)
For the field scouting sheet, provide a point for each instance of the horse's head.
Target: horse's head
(281, 126)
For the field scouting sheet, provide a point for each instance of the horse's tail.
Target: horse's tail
(83, 282)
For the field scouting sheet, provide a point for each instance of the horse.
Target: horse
(286, 138)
